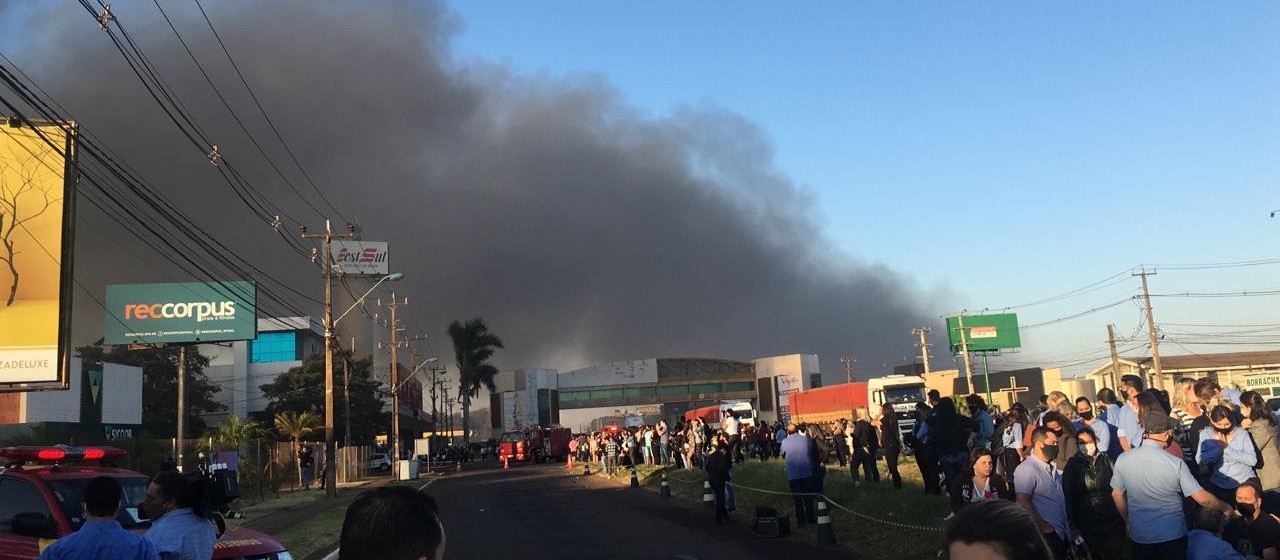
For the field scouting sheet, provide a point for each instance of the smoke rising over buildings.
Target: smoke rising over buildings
(580, 227)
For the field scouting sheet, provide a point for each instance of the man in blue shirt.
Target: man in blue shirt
(1148, 487)
(177, 532)
(101, 537)
(1037, 485)
(1128, 426)
(797, 450)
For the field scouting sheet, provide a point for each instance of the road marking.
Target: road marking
(334, 555)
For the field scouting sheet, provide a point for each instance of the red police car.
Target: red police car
(42, 502)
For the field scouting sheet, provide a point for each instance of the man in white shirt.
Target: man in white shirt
(729, 424)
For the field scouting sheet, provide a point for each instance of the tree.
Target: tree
(234, 431)
(473, 345)
(160, 384)
(294, 425)
(301, 389)
(24, 196)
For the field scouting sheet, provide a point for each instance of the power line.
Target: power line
(265, 116)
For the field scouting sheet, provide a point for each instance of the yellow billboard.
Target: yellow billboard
(36, 218)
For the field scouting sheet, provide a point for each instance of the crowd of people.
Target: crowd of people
(1135, 473)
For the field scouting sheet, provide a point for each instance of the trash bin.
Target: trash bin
(408, 469)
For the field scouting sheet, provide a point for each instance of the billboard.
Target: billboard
(360, 257)
(37, 216)
(984, 333)
(183, 312)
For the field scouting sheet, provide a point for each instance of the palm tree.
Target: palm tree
(294, 425)
(234, 431)
(473, 345)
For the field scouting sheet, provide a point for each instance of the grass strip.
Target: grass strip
(880, 535)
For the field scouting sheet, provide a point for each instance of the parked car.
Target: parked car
(380, 462)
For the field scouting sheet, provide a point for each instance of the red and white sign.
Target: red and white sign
(360, 257)
(982, 332)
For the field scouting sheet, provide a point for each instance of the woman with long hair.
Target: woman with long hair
(1227, 450)
(1010, 434)
(978, 482)
(1261, 424)
(1186, 409)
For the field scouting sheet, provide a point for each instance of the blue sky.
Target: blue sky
(1000, 153)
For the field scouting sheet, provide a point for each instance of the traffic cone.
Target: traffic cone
(569, 467)
(506, 463)
(635, 482)
(666, 490)
(708, 498)
(458, 467)
(826, 534)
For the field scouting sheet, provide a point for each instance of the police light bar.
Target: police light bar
(56, 453)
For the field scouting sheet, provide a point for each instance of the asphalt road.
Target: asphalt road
(538, 511)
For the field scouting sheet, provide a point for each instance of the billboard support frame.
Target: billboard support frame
(66, 277)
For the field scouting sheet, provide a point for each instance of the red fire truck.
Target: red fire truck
(537, 444)
(41, 490)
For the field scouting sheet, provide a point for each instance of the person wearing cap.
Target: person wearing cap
(1148, 487)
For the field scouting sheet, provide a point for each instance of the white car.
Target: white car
(380, 462)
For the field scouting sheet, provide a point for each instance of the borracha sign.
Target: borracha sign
(175, 313)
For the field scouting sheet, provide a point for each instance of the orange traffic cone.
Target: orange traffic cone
(458, 468)
(569, 467)
(506, 463)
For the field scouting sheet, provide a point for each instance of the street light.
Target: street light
(393, 277)
(409, 377)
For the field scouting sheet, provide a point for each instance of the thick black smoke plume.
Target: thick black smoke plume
(582, 229)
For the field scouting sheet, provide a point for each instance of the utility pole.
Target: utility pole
(964, 351)
(435, 372)
(395, 343)
(848, 367)
(923, 346)
(181, 439)
(1151, 329)
(1115, 358)
(448, 405)
(346, 390)
(330, 442)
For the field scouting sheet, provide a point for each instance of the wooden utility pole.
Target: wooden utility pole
(848, 362)
(435, 373)
(330, 442)
(922, 345)
(964, 351)
(1151, 329)
(394, 440)
(1115, 357)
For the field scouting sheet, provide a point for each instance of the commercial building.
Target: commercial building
(103, 402)
(241, 368)
(1249, 371)
(644, 391)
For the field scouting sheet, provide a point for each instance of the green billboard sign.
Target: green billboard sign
(984, 333)
(185, 312)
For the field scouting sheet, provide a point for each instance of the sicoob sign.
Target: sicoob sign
(186, 312)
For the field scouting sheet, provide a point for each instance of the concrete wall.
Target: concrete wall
(617, 373)
(121, 394)
(55, 406)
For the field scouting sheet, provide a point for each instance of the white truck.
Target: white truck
(903, 392)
